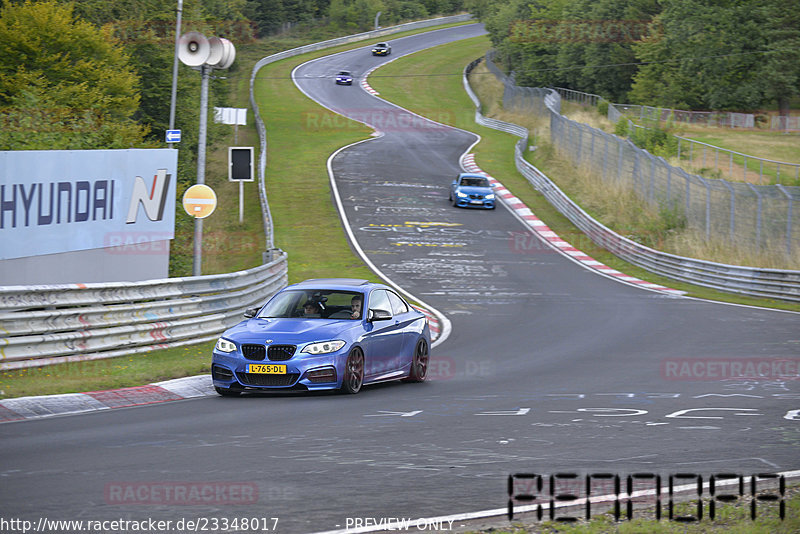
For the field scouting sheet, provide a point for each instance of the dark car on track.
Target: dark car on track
(472, 190)
(344, 78)
(323, 334)
(381, 49)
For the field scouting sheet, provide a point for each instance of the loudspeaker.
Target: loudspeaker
(228, 54)
(216, 51)
(193, 49)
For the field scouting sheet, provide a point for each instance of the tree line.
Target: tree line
(85, 74)
(689, 54)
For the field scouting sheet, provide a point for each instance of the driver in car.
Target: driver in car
(355, 306)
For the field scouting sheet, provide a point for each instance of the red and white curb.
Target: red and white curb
(543, 231)
(433, 322)
(73, 403)
(367, 87)
(365, 84)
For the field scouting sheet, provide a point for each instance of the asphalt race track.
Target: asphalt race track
(549, 368)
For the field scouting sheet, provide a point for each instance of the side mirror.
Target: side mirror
(378, 315)
(251, 312)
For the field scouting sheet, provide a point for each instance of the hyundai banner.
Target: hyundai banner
(54, 201)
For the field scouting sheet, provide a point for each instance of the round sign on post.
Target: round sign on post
(199, 201)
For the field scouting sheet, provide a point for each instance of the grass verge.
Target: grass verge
(706, 161)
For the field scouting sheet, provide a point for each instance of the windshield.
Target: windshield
(474, 181)
(314, 304)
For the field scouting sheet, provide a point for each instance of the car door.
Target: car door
(405, 317)
(383, 339)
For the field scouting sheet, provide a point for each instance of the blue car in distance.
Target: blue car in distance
(472, 190)
(344, 78)
(323, 334)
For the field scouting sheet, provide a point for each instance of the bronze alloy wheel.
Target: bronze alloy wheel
(354, 372)
(419, 365)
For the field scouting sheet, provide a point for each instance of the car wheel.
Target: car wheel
(228, 392)
(353, 372)
(419, 364)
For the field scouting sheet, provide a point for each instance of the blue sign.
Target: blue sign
(173, 136)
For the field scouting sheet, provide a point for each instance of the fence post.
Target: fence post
(669, 184)
(652, 193)
(788, 219)
(708, 208)
(733, 209)
(745, 168)
(688, 193)
(758, 214)
(730, 166)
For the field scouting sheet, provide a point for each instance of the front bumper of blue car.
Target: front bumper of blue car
(305, 372)
(464, 200)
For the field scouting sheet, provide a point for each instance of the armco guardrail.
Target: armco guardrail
(262, 130)
(771, 283)
(43, 325)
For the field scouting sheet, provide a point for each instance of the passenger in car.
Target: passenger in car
(310, 309)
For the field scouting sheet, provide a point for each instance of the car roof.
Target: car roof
(471, 175)
(334, 283)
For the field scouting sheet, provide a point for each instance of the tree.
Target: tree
(354, 15)
(709, 55)
(69, 80)
(781, 70)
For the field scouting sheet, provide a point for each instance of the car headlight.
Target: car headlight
(324, 347)
(223, 345)
(461, 195)
(490, 196)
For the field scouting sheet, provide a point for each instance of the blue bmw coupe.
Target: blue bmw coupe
(472, 191)
(323, 334)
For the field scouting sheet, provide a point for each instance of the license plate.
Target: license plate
(266, 369)
(476, 201)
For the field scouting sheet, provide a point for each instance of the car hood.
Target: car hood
(472, 190)
(290, 331)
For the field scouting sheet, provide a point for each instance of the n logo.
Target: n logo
(153, 201)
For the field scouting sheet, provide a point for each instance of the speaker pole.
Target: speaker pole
(197, 264)
(174, 96)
